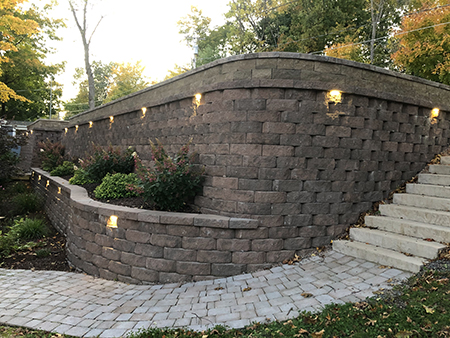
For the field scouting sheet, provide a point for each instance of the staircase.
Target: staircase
(411, 229)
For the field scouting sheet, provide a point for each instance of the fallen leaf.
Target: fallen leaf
(371, 322)
(317, 334)
(307, 295)
(218, 288)
(428, 309)
(409, 320)
(429, 239)
(246, 289)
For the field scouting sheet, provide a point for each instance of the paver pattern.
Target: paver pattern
(81, 305)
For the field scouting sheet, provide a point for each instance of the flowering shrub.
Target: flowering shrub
(172, 181)
(117, 186)
(52, 154)
(111, 160)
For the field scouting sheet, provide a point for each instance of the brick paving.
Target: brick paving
(81, 305)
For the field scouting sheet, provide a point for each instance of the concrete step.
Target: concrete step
(389, 240)
(420, 201)
(442, 169)
(428, 190)
(416, 214)
(410, 228)
(379, 255)
(445, 159)
(435, 179)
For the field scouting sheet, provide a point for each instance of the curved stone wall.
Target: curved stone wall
(277, 146)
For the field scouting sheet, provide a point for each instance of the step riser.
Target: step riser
(408, 228)
(428, 190)
(434, 179)
(396, 242)
(378, 255)
(440, 169)
(418, 215)
(427, 202)
(445, 160)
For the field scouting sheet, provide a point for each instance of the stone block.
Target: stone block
(227, 269)
(180, 254)
(216, 233)
(160, 264)
(248, 257)
(111, 253)
(276, 150)
(123, 245)
(225, 182)
(132, 259)
(297, 243)
(279, 256)
(137, 236)
(177, 219)
(243, 223)
(148, 250)
(233, 244)
(278, 128)
(252, 234)
(165, 241)
(246, 149)
(93, 248)
(212, 256)
(196, 243)
(119, 268)
(339, 131)
(193, 268)
(106, 274)
(183, 230)
(143, 274)
(100, 261)
(269, 244)
(270, 197)
(283, 232)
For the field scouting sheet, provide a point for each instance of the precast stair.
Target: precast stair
(410, 231)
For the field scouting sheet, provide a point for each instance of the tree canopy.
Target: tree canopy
(26, 82)
(112, 81)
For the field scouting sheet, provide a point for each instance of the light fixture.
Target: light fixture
(39, 177)
(66, 130)
(198, 98)
(31, 131)
(47, 184)
(144, 110)
(59, 190)
(111, 119)
(435, 113)
(91, 124)
(76, 128)
(112, 221)
(334, 96)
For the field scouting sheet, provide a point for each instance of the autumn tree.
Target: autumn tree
(86, 38)
(31, 89)
(424, 42)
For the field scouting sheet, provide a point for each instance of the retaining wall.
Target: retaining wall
(276, 145)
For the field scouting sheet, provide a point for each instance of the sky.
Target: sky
(130, 31)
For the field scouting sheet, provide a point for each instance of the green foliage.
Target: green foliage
(8, 159)
(29, 229)
(52, 154)
(80, 177)
(26, 71)
(41, 253)
(111, 160)
(172, 181)
(65, 169)
(117, 186)
(26, 203)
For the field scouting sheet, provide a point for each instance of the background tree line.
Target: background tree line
(411, 36)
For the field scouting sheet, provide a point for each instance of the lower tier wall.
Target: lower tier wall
(158, 247)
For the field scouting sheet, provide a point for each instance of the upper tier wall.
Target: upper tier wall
(275, 145)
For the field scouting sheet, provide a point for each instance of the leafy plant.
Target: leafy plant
(25, 203)
(172, 181)
(65, 169)
(106, 161)
(52, 154)
(29, 229)
(117, 186)
(80, 177)
(42, 253)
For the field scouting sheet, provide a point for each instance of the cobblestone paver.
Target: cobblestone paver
(81, 305)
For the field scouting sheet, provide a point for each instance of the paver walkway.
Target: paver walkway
(82, 305)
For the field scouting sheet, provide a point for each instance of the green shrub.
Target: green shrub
(106, 161)
(117, 186)
(41, 253)
(80, 177)
(29, 229)
(26, 203)
(172, 181)
(65, 169)
(19, 188)
(6, 244)
(52, 154)
(8, 159)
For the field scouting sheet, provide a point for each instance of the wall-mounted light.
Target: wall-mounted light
(198, 98)
(59, 190)
(111, 119)
(334, 96)
(144, 110)
(47, 184)
(39, 177)
(76, 128)
(435, 113)
(91, 124)
(31, 131)
(112, 221)
(66, 130)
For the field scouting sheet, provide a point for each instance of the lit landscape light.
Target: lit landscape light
(144, 110)
(59, 190)
(47, 184)
(91, 124)
(111, 119)
(435, 113)
(76, 127)
(112, 221)
(66, 130)
(335, 96)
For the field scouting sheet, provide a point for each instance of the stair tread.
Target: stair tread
(413, 208)
(419, 201)
(401, 237)
(416, 223)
